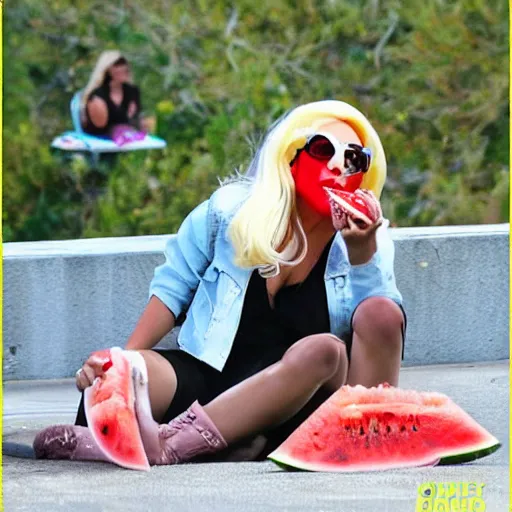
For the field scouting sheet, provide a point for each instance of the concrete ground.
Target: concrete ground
(55, 486)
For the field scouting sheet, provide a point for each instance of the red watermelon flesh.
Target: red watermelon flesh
(110, 412)
(360, 429)
(362, 206)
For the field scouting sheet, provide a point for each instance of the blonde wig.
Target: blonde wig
(267, 231)
(105, 60)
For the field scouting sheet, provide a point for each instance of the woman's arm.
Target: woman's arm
(175, 282)
(187, 255)
(377, 276)
(155, 322)
(98, 112)
(172, 289)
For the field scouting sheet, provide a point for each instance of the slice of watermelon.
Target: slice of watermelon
(110, 412)
(360, 429)
(362, 206)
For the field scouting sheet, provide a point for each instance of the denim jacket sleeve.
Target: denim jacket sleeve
(187, 256)
(377, 276)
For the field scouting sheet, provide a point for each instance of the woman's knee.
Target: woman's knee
(318, 354)
(379, 320)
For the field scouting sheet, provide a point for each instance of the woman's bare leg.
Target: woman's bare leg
(277, 393)
(376, 353)
(339, 377)
(162, 382)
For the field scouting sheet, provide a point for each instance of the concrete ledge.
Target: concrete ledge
(64, 299)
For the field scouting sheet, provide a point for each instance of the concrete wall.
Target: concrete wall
(64, 299)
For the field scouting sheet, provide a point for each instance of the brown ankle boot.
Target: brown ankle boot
(190, 434)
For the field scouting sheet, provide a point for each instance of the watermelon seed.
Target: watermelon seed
(361, 430)
(104, 430)
(415, 428)
(402, 428)
(388, 429)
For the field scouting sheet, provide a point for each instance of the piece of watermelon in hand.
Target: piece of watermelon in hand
(361, 206)
(110, 412)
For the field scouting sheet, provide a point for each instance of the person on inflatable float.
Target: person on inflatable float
(110, 103)
(287, 298)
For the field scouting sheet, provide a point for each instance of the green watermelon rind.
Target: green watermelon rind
(287, 467)
(461, 458)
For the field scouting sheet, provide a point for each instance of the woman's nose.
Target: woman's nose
(329, 174)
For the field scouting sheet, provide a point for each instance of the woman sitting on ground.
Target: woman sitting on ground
(282, 308)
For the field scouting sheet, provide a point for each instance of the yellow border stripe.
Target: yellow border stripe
(1, 256)
(510, 250)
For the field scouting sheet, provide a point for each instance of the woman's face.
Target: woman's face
(120, 72)
(312, 175)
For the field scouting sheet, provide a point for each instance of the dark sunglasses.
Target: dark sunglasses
(324, 147)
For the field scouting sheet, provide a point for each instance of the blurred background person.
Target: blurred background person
(110, 101)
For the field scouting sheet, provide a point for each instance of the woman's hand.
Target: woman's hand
(360, 240)
(94, 367)
(148, 124)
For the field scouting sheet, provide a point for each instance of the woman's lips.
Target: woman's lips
(350, 183)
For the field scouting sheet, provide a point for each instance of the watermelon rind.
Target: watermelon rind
(460, 458)
(290, 464)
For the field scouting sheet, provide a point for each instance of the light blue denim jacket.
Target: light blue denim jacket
(200, 279)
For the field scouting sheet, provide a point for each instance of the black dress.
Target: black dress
(266, 333)
(117, 114)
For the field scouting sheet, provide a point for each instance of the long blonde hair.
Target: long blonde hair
(268, 218)
(105, 60)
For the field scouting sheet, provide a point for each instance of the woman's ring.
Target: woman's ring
(79, 372)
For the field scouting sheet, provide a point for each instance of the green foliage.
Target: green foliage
(431, 76)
